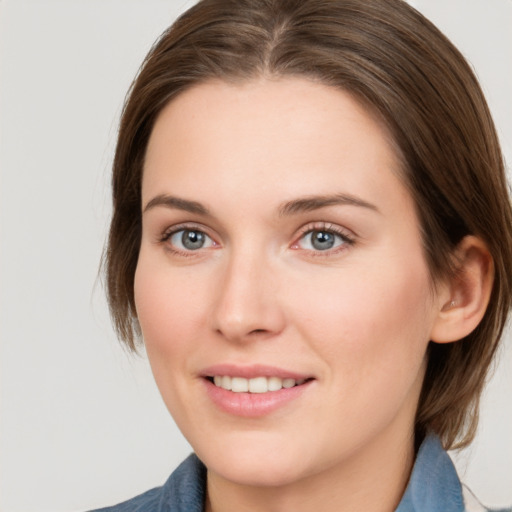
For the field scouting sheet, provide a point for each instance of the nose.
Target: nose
(247, 305)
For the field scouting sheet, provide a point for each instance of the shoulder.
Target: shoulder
(184, 491)
(435, 486)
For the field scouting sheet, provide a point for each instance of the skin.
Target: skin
(357, 317)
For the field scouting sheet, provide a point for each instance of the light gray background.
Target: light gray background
(82, 424)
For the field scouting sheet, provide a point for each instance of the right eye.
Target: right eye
(185, 240)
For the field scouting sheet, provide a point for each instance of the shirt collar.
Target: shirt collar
(185, 490)
(434, 485)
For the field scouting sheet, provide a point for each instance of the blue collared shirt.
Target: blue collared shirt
(433, 487)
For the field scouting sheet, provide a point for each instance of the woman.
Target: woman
(312, 236)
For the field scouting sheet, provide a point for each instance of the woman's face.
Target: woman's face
(280, 249)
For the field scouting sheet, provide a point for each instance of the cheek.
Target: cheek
(371, 323)
(165, 308)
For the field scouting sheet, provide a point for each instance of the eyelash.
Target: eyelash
(346, 237)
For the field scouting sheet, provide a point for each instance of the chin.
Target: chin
(258, 473)
(255, 466)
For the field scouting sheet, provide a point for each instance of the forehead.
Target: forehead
(290, 134)
(267, 106)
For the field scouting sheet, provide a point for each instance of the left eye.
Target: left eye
(321, 240)
(190, 240)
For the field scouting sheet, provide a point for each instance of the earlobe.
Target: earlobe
(466, 294)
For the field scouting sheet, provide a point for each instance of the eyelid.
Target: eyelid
(170, 230)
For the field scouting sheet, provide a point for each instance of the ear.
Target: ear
(463, 298)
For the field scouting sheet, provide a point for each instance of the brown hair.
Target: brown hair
(402, 67)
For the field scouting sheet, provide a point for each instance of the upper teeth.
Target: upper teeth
(255, 385)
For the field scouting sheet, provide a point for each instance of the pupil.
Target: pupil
(322, 240)
(192, 239)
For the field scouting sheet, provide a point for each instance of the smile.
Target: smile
(254, 385)
(256, 390)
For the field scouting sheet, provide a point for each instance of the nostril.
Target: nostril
(257, 331)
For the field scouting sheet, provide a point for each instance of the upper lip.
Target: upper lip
(252, 371)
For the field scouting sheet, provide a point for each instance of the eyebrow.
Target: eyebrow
(176, 203)
(310, 203)
(304, 204)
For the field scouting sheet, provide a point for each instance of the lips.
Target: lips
(253, 391)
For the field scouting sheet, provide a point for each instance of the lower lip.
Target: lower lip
(253, 405)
